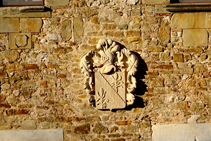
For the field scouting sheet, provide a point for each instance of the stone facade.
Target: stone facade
(42, 84)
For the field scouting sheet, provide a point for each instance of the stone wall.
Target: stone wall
(42, 84)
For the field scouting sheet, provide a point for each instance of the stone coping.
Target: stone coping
(25, 11)
(188, 7)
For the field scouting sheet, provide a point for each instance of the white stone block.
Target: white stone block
(32, 135)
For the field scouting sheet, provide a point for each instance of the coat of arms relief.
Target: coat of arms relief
(110, 71)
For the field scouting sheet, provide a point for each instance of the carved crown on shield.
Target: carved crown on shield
(110, 71)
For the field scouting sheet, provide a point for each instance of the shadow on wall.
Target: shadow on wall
(141, 86)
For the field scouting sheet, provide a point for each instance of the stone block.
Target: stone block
(30, 24)
(29, 124)
(178, 57)
(184, 20)
(57, 2)
(78, 29)
(157, 2)
(20, 40)
(195, 37)
(9, 25)
(181, 132)
(32, 135)
(191, 20)
(66, 30)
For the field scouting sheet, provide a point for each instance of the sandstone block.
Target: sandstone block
(78, 29)
(155, 49)
(164, 32)
(11, 55)
(83, 129)
(33, 135)
(157, 82)
(132, 33)
(100, 129)
(155, 2)
(30, 24)
(191, 20)
(178, 57)
(29, 124)
(195, 37)
(57, 2)
(66, 30)
(9, 25)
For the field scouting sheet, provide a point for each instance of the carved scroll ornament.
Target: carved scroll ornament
(110, 72)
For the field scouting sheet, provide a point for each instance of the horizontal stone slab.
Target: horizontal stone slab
(182, 132)
(191, 20)
(32, 135)
(26, 11)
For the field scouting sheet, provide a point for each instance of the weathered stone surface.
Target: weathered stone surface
(9, 25)
(160, 9)
(33, 135)
(30, 24)
(132, 2)
(164, 32)
(100, 129)
(155, 2)
(181, 132)
(83, 129)
(11, 55)
(178, 57)
(20, 40)
(29, 124)
(57, 3)
(190, 20)
(195, 37)
(66, 30)
(78, 29)
(16, 12)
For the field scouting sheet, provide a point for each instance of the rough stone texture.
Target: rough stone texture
(57, 3)
(29, 124)
(45, 83)
(155, 2)
(9, 25)
(164, 32)
(77, 28)
(181, 132)
(30, 24)
(66, 30)
(195, 37)
(33, 135)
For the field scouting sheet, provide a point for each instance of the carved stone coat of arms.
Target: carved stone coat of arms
(110, 71)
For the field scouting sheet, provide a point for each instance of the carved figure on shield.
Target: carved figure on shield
(110, 71)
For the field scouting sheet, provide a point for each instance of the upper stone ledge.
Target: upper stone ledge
(188, 7)
(26, 11)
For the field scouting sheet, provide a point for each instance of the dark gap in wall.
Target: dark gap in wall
(1, 3)
(174, 1)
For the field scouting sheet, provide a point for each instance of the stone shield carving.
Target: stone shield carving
(110, 71)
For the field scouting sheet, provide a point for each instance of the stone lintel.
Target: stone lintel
(26, 11)
(188, 7)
